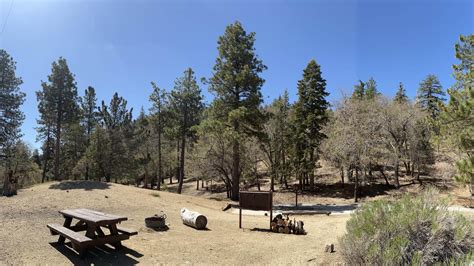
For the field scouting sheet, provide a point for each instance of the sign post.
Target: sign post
(257, 201)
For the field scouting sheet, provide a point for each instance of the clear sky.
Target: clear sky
(120, 46)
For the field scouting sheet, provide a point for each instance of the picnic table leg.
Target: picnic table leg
(91, 231)
(114, 232)
(67, 224)
(99, 231)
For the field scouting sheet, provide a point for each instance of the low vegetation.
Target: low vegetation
(411, 230)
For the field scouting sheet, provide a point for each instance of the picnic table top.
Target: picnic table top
(92, 216)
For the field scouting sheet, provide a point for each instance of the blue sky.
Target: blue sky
(120, 46)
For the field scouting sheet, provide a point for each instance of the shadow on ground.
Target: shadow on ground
(317, 207)
(86, 185)
(346, 191)
(100, 256)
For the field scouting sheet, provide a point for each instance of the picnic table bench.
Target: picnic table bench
(92, 222)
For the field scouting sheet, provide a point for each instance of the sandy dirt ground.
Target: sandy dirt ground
(25, 239)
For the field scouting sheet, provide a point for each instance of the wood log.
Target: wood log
(329, 248)
(193, 219)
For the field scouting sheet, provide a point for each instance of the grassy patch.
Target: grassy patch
(155, 194)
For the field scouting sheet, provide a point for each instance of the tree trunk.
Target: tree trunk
(384, 176)
(10, 184)
(160, 168)
(181, 165)
(397, 181)
(57, 149)
(197, 183)
(235, 170)
(408, 168)
(272, 181)
(342, 175)
(177, 161)
(418, 174)
(311, 170)
(46, 155)
(356, 186)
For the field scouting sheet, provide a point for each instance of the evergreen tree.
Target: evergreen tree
(359, 91)
(11, 100)
(45, 133)
(142, 145)
(401, 96)
(89, 118)
(430, 96)
(59, 100)
(278, 139)
(11, 117)
(371, 89)
(186, 105)
(457, 119)
(158, 99)
(310, 117)
(237, 87)
(117, 120)
(463, 71)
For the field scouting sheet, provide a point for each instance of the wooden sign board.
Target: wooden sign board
(256, 201)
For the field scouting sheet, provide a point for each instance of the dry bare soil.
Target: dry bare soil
(25, 239)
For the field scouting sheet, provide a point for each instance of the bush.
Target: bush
(411, 230)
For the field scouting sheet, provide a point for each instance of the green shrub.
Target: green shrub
(411, 230)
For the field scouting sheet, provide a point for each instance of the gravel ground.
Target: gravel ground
(24, 238)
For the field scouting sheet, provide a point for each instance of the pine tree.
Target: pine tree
(237, 87)
(371, 89)
(142, 147)
(401, 96)
(59, 100)
(430, 96)
(117, 119)
(11, 118)
(457, 119)
(359, 91)
(277, 139)
(186, 105)
(159, 102)
(11, 100)
(310, 117)
(45, 133)
(89, 118)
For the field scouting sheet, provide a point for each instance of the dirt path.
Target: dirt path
(24, 238)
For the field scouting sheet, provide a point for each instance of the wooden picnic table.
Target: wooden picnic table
(93, 223)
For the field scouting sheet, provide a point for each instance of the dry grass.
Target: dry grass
(24, 238)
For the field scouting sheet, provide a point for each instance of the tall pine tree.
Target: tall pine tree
(11, 99)
(89, 118)
(11, 117)
(59, 100)
(186, 106)
(159, 101)
(310, 117)
(457, 119)
(237, 84)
